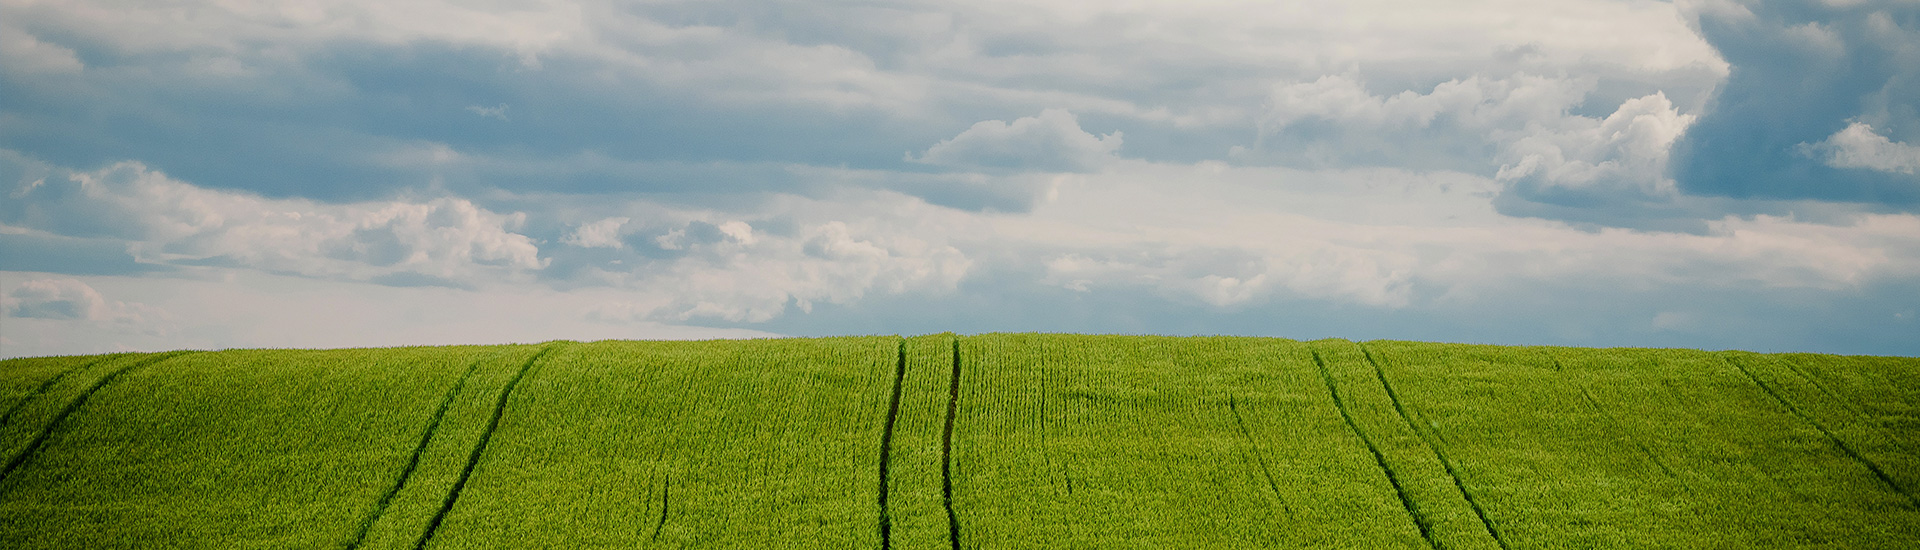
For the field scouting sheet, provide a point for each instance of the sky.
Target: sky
(1711, 174)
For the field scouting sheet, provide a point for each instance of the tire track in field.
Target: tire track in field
(1413, 510)
(886, 449)
(480, 448)
(666, 488)
(413, 462)
(40, 439)
(1842, 445)
(1437, 453)
(946, 450)
(1258, 456)
(47, 385)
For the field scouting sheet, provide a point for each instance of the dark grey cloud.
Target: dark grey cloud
(1802, 72)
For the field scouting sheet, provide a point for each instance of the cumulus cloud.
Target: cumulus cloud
(1858, 146)
(1049, 142)
(1518, 129)
(1807, 73)
(162, 220)
(1584, 161)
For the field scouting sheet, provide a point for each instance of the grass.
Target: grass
(940, 441)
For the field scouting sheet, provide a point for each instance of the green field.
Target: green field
(941, 442)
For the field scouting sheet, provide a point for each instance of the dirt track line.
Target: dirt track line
(886, 445)
(1413, 511)
(666, 487)
(499, 409)
(413, 462)
(946, 450)
(1258, 456)
(40, 439)
(1842, 445)
(44, 386)
(1445, 463)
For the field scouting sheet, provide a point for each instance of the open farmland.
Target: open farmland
(940, 442)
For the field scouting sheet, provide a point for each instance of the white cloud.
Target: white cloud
(1049, 142)
(727, 271)
(1238, 237)
(1623, 155)
(495, 112)
(601, 234)
(162, 220)
(70, 299)
(1858, 146)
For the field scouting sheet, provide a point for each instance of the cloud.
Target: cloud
(70, 299)
(1586, 161)
(1552, 163)
(1806, 73)
(601, 234)
(727, 270)
(495, 112)
(1858, 146)
(1049, 142)
(166, 221)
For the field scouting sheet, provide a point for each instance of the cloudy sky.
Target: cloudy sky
(238, 173)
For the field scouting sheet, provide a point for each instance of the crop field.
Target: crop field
(945, 442)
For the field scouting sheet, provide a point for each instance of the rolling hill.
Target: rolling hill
(943, 441)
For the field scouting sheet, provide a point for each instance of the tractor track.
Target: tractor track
(40, 440)
(1445, 463)
(946, 450)
(1406, 501)
(886, 446)
(479, 449)
(413, 462)
(1872, 466)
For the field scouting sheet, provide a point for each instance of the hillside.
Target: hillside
(1001, 440)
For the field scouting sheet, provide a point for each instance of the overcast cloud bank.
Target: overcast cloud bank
(1708, 174)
